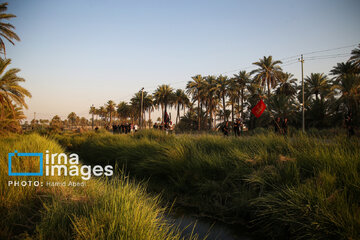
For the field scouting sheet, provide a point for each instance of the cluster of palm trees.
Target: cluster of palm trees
(142, 102)
(12, 95)
(211, 99)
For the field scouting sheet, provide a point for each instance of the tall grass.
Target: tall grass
(298, 187)
(104, 209)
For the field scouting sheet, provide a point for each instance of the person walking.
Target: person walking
(225, 129)
(277, 125)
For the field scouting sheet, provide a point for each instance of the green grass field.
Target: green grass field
(303, 187)
(114, 208)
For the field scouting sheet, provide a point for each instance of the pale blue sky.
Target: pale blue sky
(77, 53)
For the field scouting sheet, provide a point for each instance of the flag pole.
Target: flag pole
(271, 115)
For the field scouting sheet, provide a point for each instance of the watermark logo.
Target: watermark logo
(11, 155)
(59, 164)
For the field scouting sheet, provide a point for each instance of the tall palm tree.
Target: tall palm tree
(164, 96)
(148, 102)
(268, 72)
(232, 92)
(10, 90)
(194, 88)
(6, 29)
(103, 114)
(316, 84)
(355, 57)
(110, 107)
(243, 80)
(181, 99)
(222, 84)
(135, 102)
(210, 91)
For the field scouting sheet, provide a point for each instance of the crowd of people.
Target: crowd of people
(124, 128)
(280, 127)
(237, 126)
(163, 126)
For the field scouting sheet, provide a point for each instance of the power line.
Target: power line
(330, 49)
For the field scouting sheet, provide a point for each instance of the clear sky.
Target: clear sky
(74, 53)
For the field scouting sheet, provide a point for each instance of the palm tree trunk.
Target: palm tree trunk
(224, 108)
(162, 112)
(268, 88)
(211, 116)
(238, 102)
(242, 103)
(177, 113)
(149, 117)
(232, 111)
(198, 113)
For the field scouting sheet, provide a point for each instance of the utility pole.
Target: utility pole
(92, 117)
(142, 105)
(303, 95)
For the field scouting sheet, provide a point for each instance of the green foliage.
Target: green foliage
(103, 209)
(299, 187)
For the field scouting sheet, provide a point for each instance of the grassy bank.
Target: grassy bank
(301, 187)
(103, 209)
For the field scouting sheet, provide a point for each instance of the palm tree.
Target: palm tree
(210, 91)
(268, 72)
(342, 69)
(287, 85)
(6, 29)
(135, 102)
(194, 88)
(243, 80)
(11, 120)
(282, 105)
(148, 104)
(164, 96)
(355, 58)
(10, 90)
(222, 84)
(316, 84)
(110, 107)
(123, 110)
(232, 92)
(349, 87)
(181, 100)
(103, 114)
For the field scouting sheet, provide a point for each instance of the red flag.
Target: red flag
(259, 108)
